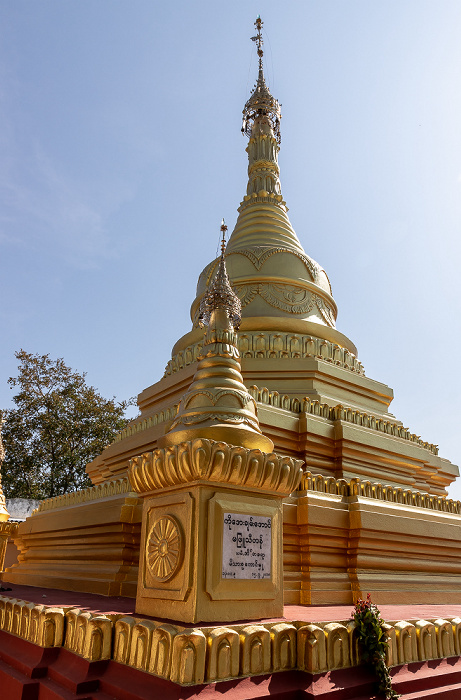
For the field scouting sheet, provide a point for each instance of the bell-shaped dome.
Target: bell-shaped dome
(266, 263)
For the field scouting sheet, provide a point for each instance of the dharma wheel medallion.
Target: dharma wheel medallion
(164, 548)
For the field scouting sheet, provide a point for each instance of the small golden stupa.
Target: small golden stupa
(217, 405)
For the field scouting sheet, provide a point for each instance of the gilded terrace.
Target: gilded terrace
(295, 405)
(92, 493)
(275, 345)
(339, 412)
(140, 424)
(377, 491)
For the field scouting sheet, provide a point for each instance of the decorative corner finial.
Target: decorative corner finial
(220, 294)
(223, 238)
(261, 103)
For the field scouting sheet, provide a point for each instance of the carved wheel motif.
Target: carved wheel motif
(164, 548)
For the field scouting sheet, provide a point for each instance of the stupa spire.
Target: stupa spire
(263, 216)
(281, 289)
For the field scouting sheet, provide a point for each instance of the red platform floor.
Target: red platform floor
(315, 613)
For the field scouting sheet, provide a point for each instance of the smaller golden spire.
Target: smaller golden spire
(218, 405)
(220, 295)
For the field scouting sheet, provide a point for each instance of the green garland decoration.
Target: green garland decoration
(373, 643)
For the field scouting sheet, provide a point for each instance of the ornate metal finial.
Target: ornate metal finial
(220, 295)
(259, 40)
(261, 103)
(223, 239)
(2, 450)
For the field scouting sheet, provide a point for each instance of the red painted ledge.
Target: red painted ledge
(28, 672)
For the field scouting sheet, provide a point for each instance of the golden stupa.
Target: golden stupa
(370, 513)
(264, 475)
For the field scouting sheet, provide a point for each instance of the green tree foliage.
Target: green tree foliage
(59, 424)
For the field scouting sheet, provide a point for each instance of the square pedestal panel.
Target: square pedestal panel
(211, 554)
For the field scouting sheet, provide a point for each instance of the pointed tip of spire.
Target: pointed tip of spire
(261, 102)
(223, 238)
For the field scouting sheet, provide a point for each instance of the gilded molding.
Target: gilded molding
(221, 342)
(214, 398)
(246, 293)
(275, 345)
(223, 644)
(263, 197)
(92, 493)
(326, 311)
(192, 656)
(188, 657)
(255, 643)
(222, 417)
(8, 528)
(283, 644)
(377, 491)
(88, 635)
(258, 255)
(263, 164)
(306, 405)
(38, 624)
(214, 462)
(140, 424)
(339, 412)
(243, 397)
(291, 298)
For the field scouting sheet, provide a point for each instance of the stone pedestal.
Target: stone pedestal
(211, 543)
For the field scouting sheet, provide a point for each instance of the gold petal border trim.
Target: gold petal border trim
(215, 462)
(116, 487)
(191, 656)
(381, 492)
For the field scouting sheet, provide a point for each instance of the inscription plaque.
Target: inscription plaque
(246, 546)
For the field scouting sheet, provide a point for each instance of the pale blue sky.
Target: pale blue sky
(120, 152)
